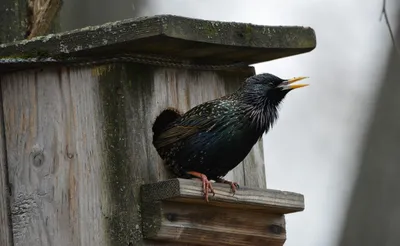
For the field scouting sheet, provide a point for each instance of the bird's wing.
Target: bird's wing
(188, 125)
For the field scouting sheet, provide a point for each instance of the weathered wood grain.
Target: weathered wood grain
(271, 201)
(125, 93)
(202, 41)
(209, 225)
(5, 222)
(54, 154)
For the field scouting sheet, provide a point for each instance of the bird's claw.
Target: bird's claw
(234, 186)
(206, 184)
(207, 187)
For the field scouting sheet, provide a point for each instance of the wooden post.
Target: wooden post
(5, 222)
(78, 137)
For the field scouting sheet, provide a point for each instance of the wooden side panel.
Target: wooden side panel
(254, 169)
(190, 191)
(51, 122)
(125, 92)
(5, 222)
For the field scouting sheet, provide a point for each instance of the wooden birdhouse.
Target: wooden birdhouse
(77, 162)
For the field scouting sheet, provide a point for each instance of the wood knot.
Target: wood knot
(171, 217)
(69, 154)
(276, 229)
(240, 34)
(37, 156)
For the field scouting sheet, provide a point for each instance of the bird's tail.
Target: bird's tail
(166, 117)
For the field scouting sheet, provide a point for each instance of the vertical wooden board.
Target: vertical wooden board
(53, 153)
(5, 222)
(87, 148)
(125, 91)
(254, 167)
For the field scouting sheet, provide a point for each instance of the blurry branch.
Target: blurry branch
(41, 14)
(385, 15)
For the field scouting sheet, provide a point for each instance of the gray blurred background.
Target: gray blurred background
(325, 131)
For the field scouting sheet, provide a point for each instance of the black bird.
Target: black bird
(214, 137)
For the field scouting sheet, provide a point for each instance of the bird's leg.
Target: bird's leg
(234, 185)
(207, 187)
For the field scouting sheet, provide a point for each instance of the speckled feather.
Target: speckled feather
(214, 137)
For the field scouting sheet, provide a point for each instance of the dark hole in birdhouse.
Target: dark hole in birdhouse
(166, 117)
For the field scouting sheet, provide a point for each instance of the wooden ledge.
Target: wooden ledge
(272, 201)
(175, 211)
(194, 39)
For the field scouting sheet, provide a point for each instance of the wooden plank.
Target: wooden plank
(209, 225)
(5, 221)
(54, 156)
(272, 201)
(126, 93)
(185, 38)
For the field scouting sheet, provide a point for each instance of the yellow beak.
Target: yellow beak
(291, 81)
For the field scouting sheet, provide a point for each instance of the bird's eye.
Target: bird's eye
(270, 84)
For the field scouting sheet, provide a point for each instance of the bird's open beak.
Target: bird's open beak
(288, 84)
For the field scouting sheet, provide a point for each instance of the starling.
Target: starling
(214, 137)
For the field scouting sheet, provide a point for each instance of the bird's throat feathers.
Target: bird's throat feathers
(261, 107)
